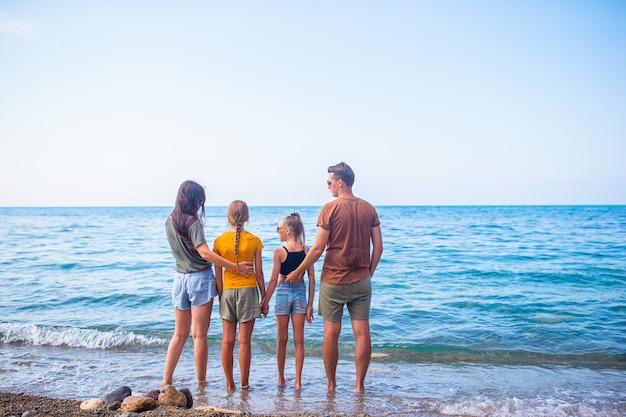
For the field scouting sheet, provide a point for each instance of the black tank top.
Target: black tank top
(293, 260)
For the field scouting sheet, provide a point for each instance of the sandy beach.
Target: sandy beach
(12, 404)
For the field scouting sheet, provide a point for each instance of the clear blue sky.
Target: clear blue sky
(431, 102)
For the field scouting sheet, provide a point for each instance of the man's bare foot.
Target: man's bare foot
(359, 388)
(297, 386)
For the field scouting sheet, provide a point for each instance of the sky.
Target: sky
(117, 102)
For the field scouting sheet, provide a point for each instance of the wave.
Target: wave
(26, 333)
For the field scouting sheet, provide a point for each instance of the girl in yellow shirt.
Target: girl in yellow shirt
(238, 294)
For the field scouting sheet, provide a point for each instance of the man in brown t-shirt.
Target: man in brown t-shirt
(346, 227)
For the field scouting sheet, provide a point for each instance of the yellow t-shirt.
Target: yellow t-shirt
(249, 244)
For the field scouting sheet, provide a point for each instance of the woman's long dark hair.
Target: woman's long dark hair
(185, 213)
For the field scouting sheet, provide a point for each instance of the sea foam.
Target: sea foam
(26, 333)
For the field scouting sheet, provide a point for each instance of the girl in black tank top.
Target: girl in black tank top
(292, 301)
(293, 260)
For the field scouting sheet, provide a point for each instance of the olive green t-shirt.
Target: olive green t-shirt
(187, 260)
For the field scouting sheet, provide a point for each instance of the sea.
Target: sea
(476, 311)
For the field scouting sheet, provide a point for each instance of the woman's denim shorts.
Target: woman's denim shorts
(193, 289)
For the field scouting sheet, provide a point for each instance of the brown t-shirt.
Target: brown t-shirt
(350, 222)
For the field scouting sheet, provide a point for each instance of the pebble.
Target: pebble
(171, 397)
(91, 404)
(118, 394)
(189, 397)
(114, 406)
(154, 394)
(138, 404)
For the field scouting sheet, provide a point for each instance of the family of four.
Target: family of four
(348, 232)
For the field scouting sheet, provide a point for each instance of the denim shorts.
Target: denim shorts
(193, 289)
(290, 299)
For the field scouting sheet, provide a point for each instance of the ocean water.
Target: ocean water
(477, 311)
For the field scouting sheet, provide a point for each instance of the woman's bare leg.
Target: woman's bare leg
(200, 322)
(182, 319)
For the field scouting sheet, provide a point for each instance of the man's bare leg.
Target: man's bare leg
(330, 351)
(363, 353)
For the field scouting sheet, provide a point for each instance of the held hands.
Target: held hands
(245, 268)
(265, 308)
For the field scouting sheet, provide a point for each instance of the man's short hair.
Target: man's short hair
(343, 172)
